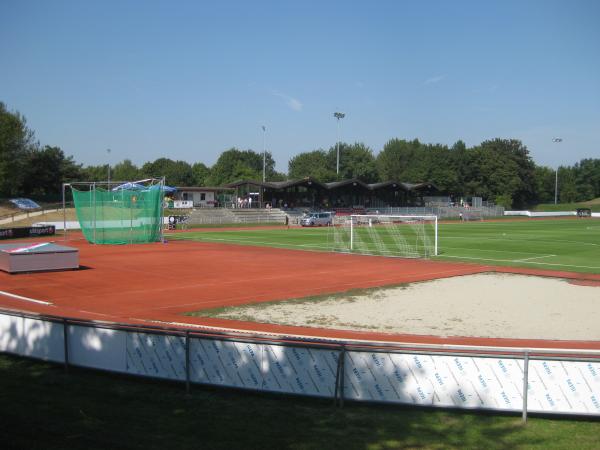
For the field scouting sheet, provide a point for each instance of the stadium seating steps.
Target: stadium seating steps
(205, 216)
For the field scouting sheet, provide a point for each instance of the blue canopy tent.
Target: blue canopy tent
(129, 186)
(24, 203)
(165, 188)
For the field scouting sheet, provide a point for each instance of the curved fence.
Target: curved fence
(480, 378)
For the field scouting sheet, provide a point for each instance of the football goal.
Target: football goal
(385, 235)
(471, 214)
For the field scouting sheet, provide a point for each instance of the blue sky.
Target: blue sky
(188, 80)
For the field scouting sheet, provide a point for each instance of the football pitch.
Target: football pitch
(555, 244)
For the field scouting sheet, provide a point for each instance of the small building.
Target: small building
(205, 196)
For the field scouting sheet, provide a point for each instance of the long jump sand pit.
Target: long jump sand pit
(488, 305)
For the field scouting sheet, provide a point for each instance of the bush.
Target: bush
(504, 200)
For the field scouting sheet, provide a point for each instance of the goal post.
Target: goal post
(408, 236)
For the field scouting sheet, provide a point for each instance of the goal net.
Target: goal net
(471, 214)
(127, 213)
(386, 235)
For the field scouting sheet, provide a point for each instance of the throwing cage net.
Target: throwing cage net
(128, 213)
(385, 235)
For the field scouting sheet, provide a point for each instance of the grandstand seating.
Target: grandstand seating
(207, 216)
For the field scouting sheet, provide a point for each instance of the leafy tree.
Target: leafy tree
(16, 143)
(459, 160)
(567, 185)
(47, 169)
(504, 200)
(587, 178)
(201, 174)
(125, 171)
(356, 161)
(94, 173)
(277, 176)
(314, 164)
(501, 168)
(544, 181)
(176, 173)
(515, 155)
(397, 160)
(435, 163)
(412, 161)
(491, 175)
(235, 165)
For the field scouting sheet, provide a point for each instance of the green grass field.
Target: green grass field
(555, 244)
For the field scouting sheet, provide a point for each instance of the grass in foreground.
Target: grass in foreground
(555, 244)
(42, 407)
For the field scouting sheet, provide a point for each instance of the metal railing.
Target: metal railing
(342, 370)
(25, 214)
(442, 212)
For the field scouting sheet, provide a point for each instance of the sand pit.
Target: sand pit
(483, 305)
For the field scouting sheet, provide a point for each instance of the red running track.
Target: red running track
(156, 283)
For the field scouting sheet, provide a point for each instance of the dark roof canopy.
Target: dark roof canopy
(333, 185)
(202, 188)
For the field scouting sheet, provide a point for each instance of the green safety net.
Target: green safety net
(119, 217)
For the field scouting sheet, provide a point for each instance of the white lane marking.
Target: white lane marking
(27, 299)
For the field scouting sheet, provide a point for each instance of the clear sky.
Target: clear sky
(191, 79)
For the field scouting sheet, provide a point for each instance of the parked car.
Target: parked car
(317, 219)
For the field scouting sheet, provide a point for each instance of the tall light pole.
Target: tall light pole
(264, 153)
(338, 116)
(557, 140)
(108, 152)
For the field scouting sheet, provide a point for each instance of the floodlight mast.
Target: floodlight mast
(556, 140)
(262, 188)
(338, 116)
(264, 153)
(108, 152)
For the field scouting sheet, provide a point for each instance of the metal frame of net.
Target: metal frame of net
(385, 235)
(119, 212)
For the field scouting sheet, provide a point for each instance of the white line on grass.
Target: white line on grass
(524, 262)
(27, 299)
(534, 257)
(487, 250)
(513, 237)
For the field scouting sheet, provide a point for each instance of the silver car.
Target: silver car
(317, 219)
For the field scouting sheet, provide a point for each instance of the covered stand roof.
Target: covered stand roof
(333, 185)
(203, 188)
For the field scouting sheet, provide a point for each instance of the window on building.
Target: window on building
(202, 196)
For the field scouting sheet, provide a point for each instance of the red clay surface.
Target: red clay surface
(156, 283)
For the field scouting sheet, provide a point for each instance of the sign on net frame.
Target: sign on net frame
(405, 236)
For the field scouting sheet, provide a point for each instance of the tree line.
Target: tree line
(499, 170)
